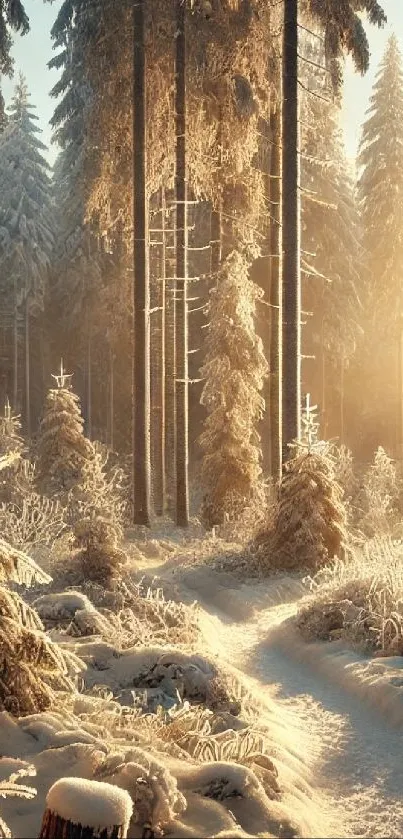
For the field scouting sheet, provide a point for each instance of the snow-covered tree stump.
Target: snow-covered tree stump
(82, 809)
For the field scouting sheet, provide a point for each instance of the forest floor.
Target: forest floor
(336, 716)
(332, 719)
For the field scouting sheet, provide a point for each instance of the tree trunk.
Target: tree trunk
(111, 398)
(89, 382)
(141, 286)
(170, 383)
(182, 385)
(162, 302)
(27, 371)
(324, 405)
(342, 369)
(86, 797)
(15, 361)
(291, 285)
(216, 243)
(275, 297)
(399, 390)
(157, 291)
(216, 220)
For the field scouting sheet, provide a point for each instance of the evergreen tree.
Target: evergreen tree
(310, 520)
(97, 512)
(12, 16)
(331, 260)
(343, 30)
(380, 188)
(13, 477)
(90, 282)
(26, 237)
(380, 495)
(234, 369)
(62, 451)
(26, 226)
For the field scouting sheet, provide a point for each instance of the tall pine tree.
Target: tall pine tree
(26, 228)
(381, 196)
(331, 253)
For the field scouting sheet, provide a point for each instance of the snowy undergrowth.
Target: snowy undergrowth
(359, 599)
(154, 716)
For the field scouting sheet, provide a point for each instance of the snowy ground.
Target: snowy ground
(333, 720)
(336, 718)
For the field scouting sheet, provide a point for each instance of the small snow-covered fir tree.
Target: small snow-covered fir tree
(62, 450)
(234, 370)
(380, 495)
(97, 516)
(10, 431)
(308, 527)
(14, 478)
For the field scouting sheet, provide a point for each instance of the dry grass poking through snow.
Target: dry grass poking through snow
(154, 716)
(359, 599)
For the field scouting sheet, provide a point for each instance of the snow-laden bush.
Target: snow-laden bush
(360, 599)
(35, 520)
(32, 666)
(308, 525)
(380, 496)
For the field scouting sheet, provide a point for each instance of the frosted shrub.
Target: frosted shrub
(380, 496)
(32, 666)
(309, 525)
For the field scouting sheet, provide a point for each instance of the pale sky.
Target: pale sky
(33, 51)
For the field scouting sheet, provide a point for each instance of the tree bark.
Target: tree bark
(399, 389)
(275, 394)
(342, 369)
(291, 276)
(27, 370)
(89, 377)
(324, 405)
(157, 284)
(111, 398)
(141, 286)
(15, 360)
(170, 382)
(216, 220)
(182, 384)
(162, 301)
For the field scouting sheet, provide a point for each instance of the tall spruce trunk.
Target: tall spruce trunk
(27, 370)
(182, 385)
(141, 286)
(342, 370)
(89, 378)
(291, 272)
(162, 301)
(157, 291)
(111, 398)
(216, 220)
(170, 372)
(15, 360)
(276, 329)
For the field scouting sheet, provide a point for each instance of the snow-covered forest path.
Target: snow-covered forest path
(340, 759)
